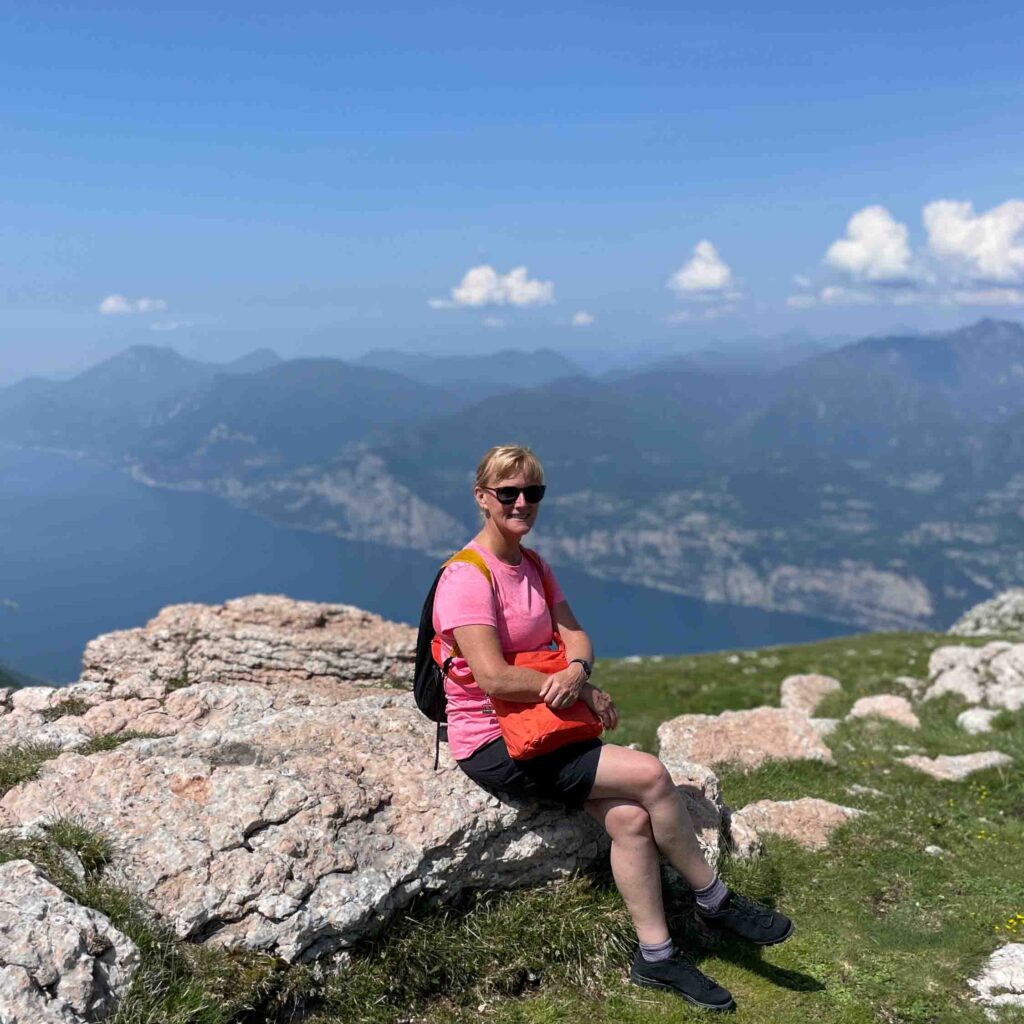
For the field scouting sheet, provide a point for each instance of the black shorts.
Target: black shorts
(566, 775)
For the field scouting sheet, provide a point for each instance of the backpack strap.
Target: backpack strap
(473, 558)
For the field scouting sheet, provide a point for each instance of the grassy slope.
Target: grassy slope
(886, 933)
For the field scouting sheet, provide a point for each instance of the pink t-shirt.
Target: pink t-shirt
(515, 606)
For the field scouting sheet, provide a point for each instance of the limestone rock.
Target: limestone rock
(824, 726)
(1001, 615)
(934, 851)
(807, 821)
(744, 841)
(992, 675)
(259, 640)
(745, 738)
(60, 963)
(1001, 982)
(976, 720)
(806, 692)
(301, 828)
(911, 684)
(886, 705)
(955, 768)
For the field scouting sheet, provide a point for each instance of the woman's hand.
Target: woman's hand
(601, 704)
(562, 689)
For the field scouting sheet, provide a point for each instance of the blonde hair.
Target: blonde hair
(506, 460)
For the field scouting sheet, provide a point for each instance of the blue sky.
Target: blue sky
(322, 178)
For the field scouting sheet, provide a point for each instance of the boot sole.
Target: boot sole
(729, 1007)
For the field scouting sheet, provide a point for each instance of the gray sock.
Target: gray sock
(711, 897)
(652, 953)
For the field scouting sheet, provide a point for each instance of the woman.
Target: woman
(631, 793)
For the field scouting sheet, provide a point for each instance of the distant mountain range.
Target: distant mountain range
(879, 483)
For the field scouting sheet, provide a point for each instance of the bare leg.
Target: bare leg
(636, 866)
(631, 775)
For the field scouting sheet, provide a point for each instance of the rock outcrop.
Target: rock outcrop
(60, 963)
(805, 693)
(992, 675)
(887, 706)
(807, 821)
(287, 800)
(744, 738)
(1002, 615)
(1001, 981)
(956, 767)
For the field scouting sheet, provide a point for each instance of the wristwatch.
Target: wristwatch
(587, 667)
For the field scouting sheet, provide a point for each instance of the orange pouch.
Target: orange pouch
(530, 730)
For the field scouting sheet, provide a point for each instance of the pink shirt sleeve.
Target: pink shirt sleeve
(464, 597)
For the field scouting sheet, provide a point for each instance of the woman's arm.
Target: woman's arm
(496, 677)
(563, 689)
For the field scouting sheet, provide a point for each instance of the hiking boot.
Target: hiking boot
(681, 976)
(749, 920)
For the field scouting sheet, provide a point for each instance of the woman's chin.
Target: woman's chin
(518, 527)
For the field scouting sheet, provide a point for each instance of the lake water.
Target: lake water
(85, 550)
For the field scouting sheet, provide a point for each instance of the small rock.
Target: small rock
(909, 683)
(806, 692)
(976, 720)
(807, 821)
(858, 790)
(1001, 982)
(955, 768)
(744, 842)
(745, 738)
(60, 963)
(934, 851)
(888, 706)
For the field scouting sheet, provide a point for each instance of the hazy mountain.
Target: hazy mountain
(876, 484)
(103, 408)
(506, 370)
(293, 412)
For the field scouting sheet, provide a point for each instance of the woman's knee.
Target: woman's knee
(628, 822)
(653, 779)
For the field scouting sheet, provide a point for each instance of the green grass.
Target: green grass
(71, 706)
(886, 934)
(112, 741)
(20, 764)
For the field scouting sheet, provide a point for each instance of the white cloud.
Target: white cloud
(705, 276)
(831, 295)
(582, 318)
(875, 248)
(484, 286)
(494, 321)
(118, 305)
(989, 246)
(990, 297)
(801, 281)
(169, 325)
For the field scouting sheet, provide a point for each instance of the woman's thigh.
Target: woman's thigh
(629, 774)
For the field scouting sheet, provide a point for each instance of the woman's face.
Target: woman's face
(516, 519)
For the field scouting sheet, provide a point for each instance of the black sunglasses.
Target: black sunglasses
(509, 495)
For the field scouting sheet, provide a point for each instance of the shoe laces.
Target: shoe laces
(690, 967)
(760, 915)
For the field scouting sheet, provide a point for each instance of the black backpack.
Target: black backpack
(429, 676)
